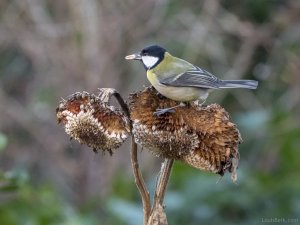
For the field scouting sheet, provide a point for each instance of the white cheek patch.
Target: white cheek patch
(149, 61)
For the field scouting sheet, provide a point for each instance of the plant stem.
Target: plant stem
(138, 178)
(139, 181)
(122, 103)
(158, 215)
(163, 180)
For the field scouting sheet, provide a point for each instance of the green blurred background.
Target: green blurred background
(52, 48)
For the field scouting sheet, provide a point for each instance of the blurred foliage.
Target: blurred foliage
(27, 203)
(50, 49)
(3, 142)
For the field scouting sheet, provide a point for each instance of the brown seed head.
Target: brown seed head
(202, 137)
(91, 121)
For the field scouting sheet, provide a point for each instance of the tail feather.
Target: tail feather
(248, 84)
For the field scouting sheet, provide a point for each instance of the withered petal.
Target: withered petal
(93, 122)
(202, 137)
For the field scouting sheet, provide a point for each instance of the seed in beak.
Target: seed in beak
(133, 57)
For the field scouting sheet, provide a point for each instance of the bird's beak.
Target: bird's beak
(135, 56)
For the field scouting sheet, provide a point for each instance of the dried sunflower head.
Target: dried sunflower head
(90, 120)
(202, 137)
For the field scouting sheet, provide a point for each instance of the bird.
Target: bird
(180, 80)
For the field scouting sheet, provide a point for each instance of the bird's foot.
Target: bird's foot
(160, 112)
(197, 102)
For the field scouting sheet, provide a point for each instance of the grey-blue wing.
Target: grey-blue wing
(193, 78)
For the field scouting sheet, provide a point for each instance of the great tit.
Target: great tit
(180, 80)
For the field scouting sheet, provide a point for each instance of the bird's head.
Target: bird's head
(150, 56)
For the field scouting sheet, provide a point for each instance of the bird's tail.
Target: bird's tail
(248, 84)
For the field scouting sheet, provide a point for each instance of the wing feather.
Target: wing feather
(193, 78)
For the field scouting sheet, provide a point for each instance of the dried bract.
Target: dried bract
(92, 121)
(202, 137)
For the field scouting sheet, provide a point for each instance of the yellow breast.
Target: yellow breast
(182, 94)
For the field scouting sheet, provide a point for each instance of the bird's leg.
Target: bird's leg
(202, 103)
(160, 112)
(197, 102)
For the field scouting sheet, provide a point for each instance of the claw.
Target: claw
(160, 112)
